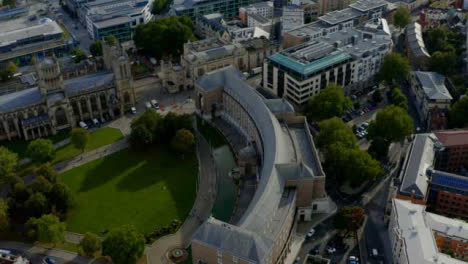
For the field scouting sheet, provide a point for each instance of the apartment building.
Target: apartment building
(454, 157)
(349, 58)
(419, 237)
(263, 9)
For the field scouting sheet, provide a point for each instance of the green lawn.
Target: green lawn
(20, 146)
(98, 138)
(147, 190)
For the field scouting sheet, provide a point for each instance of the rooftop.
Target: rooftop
(340, 16)
(28, 32)
(20, 99)
(419, 159)
(452, 137)
(416, 227)
(310, 57)
(433, 85)
(367, 5)
(88, 82)
(450, 180)
(415, 40)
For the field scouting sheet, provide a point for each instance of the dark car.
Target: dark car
(49, 260)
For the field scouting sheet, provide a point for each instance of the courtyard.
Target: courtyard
(148, 190)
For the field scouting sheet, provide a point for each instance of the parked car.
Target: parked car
(49, 260)
(155, 104)
(95, 122)
(353, 260)
(133, 109)
(83, 125)
(331, 250)
(310, 233)
(148, 105)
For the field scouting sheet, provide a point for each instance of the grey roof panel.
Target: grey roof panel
(88, 82)
(20, 99)
(433, 85)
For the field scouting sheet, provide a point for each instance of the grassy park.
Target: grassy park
(147, 189)
(97, 139)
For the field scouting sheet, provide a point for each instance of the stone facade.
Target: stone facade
(58, 104)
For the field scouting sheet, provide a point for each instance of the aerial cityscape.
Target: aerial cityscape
(233, 131)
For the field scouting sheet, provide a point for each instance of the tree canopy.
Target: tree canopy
(402, 17)
(90, 243)
(36, 205)
(41, 185)
(392, 124)
(183, 141)
(96, 48)
(47, 228)
(7, 72)
(8, 162)
(394, 68)
(458, 114)
(334, 130)
(164, 37)
(444, 40)
(330, 102)
(124, 245)
(349, 218)
(4, 219)
(399, 99)
(443, 62)
(79, 55)
(41, 150)
(379, 148)
(61, 197)
(159, 6)
(79, 138)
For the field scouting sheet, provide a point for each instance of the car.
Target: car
(331, 250)
(148, 105)
(353, 97)
(133, 109)
(155, 104)
(95, 121)
(353, 258)
(49, 260)
(365, 124)
(83, 125)
(374, 253)
(310, 233)
(361, 113)
(315, 250)
(103, 120)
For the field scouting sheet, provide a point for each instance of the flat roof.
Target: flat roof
(48, 28)
(306, 68)
(453, 137)
(367, 5)
(433, 85)
(112, 22)
(340, 16)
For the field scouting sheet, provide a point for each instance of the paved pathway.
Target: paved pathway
(91, 155)
(201, 209)
(36, 253)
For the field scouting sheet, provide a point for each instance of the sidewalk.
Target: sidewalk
(201, 210)
(67, 256)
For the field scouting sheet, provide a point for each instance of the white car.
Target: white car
(95, 122)
(331, 250)
(148, 105)
(310, 233)
(133, 109)
(155, 104)
(83, 125)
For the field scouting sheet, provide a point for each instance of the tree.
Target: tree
(349, 218)
(90, 243)
(439, 39)
(111, 40)
(124, 245)
(96, 48)
(333, 130)
(164, 37)
(399, 99)
(41, 150)
(48, 172)
(145, 129)
(42, 185)
(329, 103)
(47, 228)
(36, 205)
(183, 141)
(392, 124)
(140, 137)
(61, 196)
(4, 219)
(79, 138)
(11, 3)
(394, 68)
(443, 62)
(402, 17)
(8, 162)
(159, 6)
(79, 55)
(458, 114)
(172, 123)
(379, 148)
(377, 96)
(8, 72)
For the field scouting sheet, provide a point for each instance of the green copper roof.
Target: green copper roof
(312, 66)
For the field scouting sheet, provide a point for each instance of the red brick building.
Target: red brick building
(455, 153)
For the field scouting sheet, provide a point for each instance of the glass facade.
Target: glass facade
(123, 32)
(229, 8)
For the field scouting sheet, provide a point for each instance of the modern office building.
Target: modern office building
(195, 8)
(290, 181)
(115, 17)
(341, 20)
(56, 104)
(349, 58)
(22, 39)
(420, 237)
(429, 92)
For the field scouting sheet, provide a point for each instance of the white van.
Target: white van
(83, 125)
